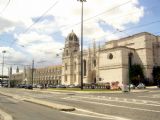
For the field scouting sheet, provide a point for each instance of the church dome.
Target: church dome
(72, 37)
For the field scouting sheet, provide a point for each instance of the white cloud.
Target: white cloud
(32, 38)
(13, 58)
(39, 46)
(126, 12)
(39, 41)
(68, 12)
(6, 25)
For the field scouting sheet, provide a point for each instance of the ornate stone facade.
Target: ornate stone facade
(110, 62)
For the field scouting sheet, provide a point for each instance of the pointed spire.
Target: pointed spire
(17, 70)
(10, 70)
(99, 46)
(94, 47)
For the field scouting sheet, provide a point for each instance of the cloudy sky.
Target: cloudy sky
(36, 29)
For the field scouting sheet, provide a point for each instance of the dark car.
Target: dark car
(29, 87)
(21, 85)
(107, 85)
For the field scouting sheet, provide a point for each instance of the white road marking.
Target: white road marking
(147, 110)
(152, 96)
(87, 113)
(13, 100)
(139, 102)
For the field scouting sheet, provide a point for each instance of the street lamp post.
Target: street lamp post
(3, 64)
(32, 70)
(82, 43)
(129, 67)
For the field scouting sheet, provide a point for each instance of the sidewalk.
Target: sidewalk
(5, 116)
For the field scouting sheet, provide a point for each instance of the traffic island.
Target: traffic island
(50, 104)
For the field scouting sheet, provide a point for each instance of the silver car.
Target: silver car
(141, 86)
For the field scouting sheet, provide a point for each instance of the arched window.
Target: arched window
(65, 66)
(75, 65)
(94, 63)
(65, 78)
(130, 56)
(84, 67)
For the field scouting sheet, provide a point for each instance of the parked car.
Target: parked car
(52, 86)
(141, 86)
(71, 86)
(29, 87)
(60, 86)
(21, 85)
(39, 86)
(34, 85)
(132, 86)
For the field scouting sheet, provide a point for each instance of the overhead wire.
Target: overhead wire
(5, 6)
(134, 27)
(87, 18)
(124, 31)
(104, 12)
(10, 64)
(27, 29)
(73, 24)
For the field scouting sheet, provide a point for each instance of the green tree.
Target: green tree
(136, 74)
(156, 75)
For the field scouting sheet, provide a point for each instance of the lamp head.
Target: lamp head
(4, 51)
(82, 0)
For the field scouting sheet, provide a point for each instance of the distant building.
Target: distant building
(110, 62)
(46, 75)
(19, 77)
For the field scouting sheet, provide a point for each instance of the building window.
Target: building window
(74, 78)
(94, 63)
(75, 65)
(66, 52)
(65, 78)
(110, 56)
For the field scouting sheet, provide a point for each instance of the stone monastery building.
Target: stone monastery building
(110, 62)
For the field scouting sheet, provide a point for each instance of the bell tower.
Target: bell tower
(70, 52)
(71, 44)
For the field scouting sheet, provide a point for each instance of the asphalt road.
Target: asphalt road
(116, 106)
(21, 110)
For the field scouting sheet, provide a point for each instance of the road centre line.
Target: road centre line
(147, 110)
(139, 102)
